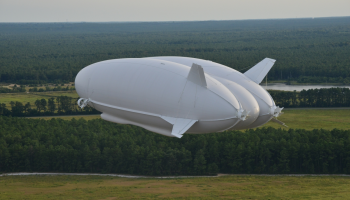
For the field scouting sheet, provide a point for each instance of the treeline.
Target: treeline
(61, 105)
(22, 88)
(325, 97)
(315, 79)
(14, 89)
(98, 146)
(305, 49)
(49, 89)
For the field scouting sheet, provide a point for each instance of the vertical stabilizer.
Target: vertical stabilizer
(259, 71)
(196, 75)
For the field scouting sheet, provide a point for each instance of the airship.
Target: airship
(176, 95)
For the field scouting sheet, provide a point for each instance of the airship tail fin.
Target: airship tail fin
(180, 125)
(196, 75)
(259, 71)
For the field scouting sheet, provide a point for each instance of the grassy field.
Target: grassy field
(314, 119)
(233, 187)
(297, 119)
(33, 96)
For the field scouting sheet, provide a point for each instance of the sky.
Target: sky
(166, 10)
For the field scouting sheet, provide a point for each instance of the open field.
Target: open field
(233, 187)
(308, 119)
(314, 119)
(33, 96)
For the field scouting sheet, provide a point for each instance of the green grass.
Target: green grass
(32, 97)
(314, 119)
(233, 187)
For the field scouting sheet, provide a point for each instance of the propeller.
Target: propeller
(277, 111)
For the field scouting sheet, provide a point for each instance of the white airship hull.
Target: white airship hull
(224, 74)
(170, 96)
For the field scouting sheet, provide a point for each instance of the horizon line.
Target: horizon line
(173, 21)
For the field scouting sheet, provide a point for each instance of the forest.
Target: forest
(306, 50)
(324, 97)
(58, 145)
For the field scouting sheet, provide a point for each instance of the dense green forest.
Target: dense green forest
(306, 50)
(324, 97)
(58, 145)
(63, 105)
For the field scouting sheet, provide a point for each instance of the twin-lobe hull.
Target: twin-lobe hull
(172, 95)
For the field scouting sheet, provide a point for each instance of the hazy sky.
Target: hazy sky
(166, 10)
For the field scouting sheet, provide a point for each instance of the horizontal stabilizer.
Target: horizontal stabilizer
(196, 75)
(278, 122)
(259, 71)
(180, 125)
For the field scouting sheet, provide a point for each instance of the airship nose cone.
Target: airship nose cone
(82, 82)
